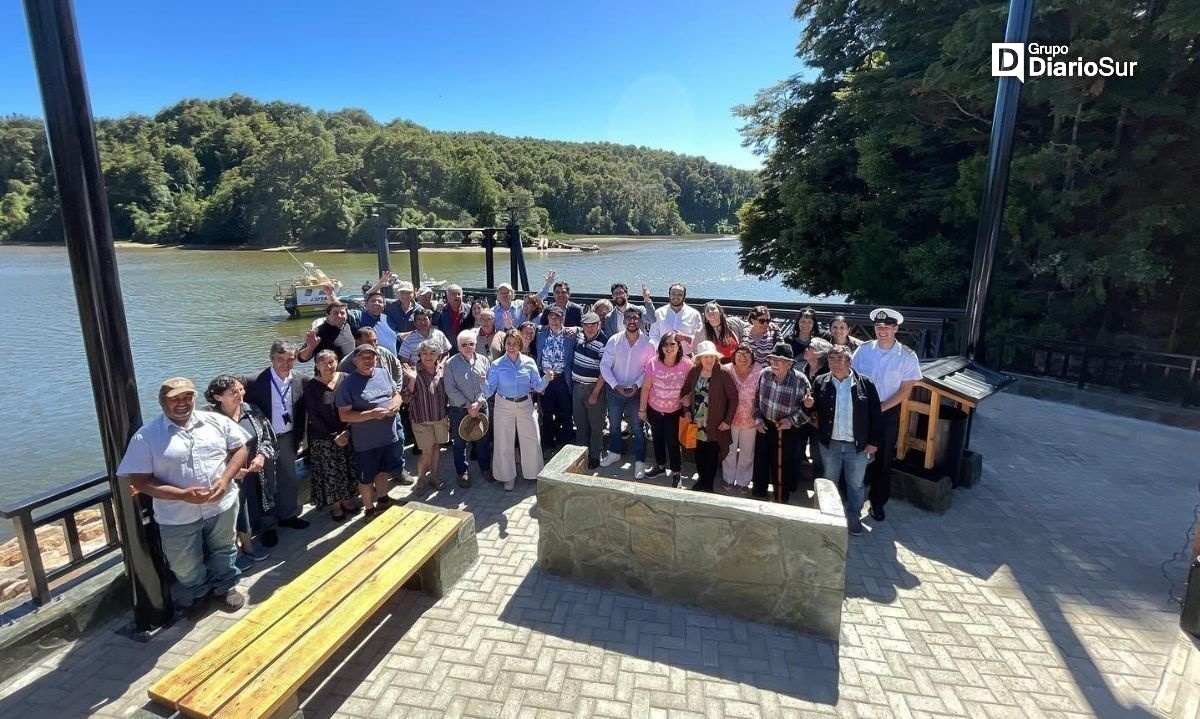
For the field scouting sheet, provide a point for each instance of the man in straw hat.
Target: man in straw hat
(186, 461)
(894, 369)
(778, 416)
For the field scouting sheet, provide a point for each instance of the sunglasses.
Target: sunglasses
(763, 320)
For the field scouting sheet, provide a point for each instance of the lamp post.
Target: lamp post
(77, 173)
(995, 187)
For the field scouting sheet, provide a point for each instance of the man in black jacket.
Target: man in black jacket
(849, 427)
(279, 393)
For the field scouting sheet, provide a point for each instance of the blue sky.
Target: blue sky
(660, 73)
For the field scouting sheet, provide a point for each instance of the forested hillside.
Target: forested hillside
(238, 171)
(875, 163)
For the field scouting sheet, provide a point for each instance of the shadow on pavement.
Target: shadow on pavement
(663, 635)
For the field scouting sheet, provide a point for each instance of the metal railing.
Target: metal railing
(26, 520)
(930, 331)
(1157, 375)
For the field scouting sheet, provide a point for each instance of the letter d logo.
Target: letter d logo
(1008, 60)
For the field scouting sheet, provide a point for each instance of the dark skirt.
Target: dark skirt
(334, 474)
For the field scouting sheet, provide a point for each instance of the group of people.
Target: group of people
(501, 383)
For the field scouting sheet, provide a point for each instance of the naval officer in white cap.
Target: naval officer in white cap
(894, 369)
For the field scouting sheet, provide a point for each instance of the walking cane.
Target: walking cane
(779, 463)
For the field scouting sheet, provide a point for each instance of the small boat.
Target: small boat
(435, 285)
(581, 248)
(306, 296)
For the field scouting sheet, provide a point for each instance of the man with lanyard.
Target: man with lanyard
(583, 376)
(373, 317)
(332, 334)
(615, 320)
(186, 461)
(778, 416)
(508, 315)
(623, 368)
(894, 369)
(555, 349)
(455, 316)
(849, 428)
(279, 393)
(676, 316)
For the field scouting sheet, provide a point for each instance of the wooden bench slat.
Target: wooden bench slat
(215, 655)
(221, 686)
(275, 683)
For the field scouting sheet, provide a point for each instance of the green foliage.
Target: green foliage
(874, 167)
(236, 171)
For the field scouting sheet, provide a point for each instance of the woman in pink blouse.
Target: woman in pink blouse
(660, 404)
(739, 463)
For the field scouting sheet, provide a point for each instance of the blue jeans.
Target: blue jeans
(619, 405)
(483, 447)
(201, 555)
(839, 456)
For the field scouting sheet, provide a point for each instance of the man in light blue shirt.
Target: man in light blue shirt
(186, 461)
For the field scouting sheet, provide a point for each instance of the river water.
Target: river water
(199, 313)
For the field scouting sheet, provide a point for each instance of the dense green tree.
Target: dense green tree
(237, 171)
(874, 164)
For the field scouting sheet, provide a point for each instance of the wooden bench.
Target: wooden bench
(256, 667)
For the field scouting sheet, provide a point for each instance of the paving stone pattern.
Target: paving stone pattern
(1039, 594)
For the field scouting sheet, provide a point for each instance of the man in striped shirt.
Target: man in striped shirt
(778, 415)
(586, 387)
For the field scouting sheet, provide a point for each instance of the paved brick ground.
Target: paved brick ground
(1040, 594)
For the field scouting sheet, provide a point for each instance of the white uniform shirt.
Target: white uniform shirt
(886, 368)
(192, 457)
(281, 405)
(687, 321)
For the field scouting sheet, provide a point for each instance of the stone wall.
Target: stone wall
(782, 565)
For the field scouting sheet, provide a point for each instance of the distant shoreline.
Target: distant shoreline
(449, 249)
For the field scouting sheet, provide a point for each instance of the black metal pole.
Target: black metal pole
(518, 256)
(414, 259)
(1004, 122)
(489, 255)
(385, 258)
(514, 277)
(72, 140)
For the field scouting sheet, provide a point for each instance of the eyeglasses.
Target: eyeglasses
(466, 344)
(763, 320)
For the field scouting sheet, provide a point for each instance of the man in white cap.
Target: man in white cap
(400, 310)
(894, 369)
(186, 461)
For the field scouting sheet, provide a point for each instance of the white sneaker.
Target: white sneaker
(610, 459)
(639, 470)
(508, 486)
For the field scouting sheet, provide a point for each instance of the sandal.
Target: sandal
(370, 514)
(383, 502)
(339, 518)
